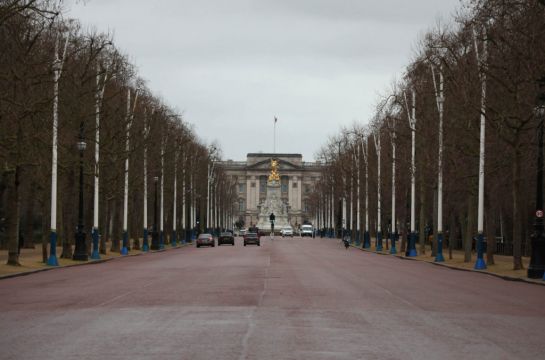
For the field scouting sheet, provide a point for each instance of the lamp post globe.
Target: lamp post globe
(536, 269)
(154, 233)
(80, 251)
(82, 145)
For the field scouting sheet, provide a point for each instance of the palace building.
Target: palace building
(297, 180)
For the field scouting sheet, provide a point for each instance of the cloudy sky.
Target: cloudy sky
(231, 66)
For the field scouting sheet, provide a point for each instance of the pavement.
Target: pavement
(287, 299)
(502, 266)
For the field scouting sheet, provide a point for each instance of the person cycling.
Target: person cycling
(346, 242)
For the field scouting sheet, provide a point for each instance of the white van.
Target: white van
(306, 230)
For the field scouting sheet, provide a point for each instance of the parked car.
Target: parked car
(306, 230)
(242, 232)
(206, 240)
(252, 238)
(286, 231)
(226, 238)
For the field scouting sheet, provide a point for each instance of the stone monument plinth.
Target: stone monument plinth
(273, 203)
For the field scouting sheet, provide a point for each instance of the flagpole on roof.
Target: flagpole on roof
(274, 136)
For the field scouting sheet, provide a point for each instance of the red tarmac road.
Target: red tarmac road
(288, 299)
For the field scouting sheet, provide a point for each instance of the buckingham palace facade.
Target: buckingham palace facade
(297, 179)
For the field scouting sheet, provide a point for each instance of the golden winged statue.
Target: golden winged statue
(274, 176)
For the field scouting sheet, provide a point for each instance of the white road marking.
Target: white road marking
(251, 320)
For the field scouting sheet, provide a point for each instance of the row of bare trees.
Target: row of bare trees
(469, 95)
(60, 85)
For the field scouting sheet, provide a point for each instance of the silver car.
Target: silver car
(205, 240)
(286, 231)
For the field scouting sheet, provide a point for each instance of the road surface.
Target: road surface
(288, 299)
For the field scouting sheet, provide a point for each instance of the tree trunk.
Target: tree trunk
(115, 236)
(386, 236)
(452, 234)
(66, 213)
(422, 221)
(29, 233)
(135, 228)
(43, 202)
(44, 234)
(403, 235)
(63, 231)
(403, 225)
(12, 214)
(527, 224)
(3, 178)
(135, 238)
(490, 233)
(469, 230)
(517, 219)
(105, 233)
(435, 222)
(89, 224)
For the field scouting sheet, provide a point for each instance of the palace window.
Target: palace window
(262, 184)
(284, 181)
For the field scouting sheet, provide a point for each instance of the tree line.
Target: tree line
(469, 97)
(60, 85)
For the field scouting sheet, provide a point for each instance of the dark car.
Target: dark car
(252, 238)
(226, 238)
(206, 240)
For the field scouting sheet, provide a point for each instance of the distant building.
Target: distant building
(297, 179)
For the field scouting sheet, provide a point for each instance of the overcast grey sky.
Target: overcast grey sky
(231, 66)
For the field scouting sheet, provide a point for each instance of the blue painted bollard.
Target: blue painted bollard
(94, 253)
(52, 260)
(174, 241)
(124, 249)
(393, 239)
(480, 264)
(439, 256)
(145, 245)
